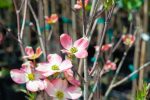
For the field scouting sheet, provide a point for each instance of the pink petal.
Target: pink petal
(66, 64)
(73, 81)
(54, 18)
(18, 76)
(81, 54)
(68, 73)
(38, 51)
(60, 84)
(38, 75)
(41, 85)
(51, 72)
(69, 76)
(49, 88)
(29, 51)
(65, 51)
(73, 92)
(106, 47)
(26, 67)
(43, 67)
(33, 86)
(76, 6)
(96, 48)
(81, 43)
(54, 59)
(109, 66)
(66, 41)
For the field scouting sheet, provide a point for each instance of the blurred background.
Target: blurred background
(129, 16)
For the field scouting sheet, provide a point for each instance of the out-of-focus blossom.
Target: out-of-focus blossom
(52, 19)
(59, 90)
(78, 48)
(128, 39)
(109, 66)
(105, 47)
(69, 76)
(79, 4)
(54, 65)
(28, 76)
(31, 54)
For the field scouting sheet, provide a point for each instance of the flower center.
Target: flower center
(73, 50)
(55, 67)
(59, 95)
(128, 41)
(31, 76)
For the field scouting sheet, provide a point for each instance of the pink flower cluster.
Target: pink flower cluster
(54, 76)
(128, 40)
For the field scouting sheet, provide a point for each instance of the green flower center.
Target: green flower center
(73, 50)
(128, 41)
(31, 76)
(59, 95)
(55, 67)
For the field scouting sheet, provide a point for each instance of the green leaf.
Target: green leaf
(110, 33)
(93, 59)
(132, 69)
(101, 21)
(66, 20)
(47, 27)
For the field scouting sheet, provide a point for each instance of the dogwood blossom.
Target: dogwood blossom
(105, 47)
(54, 65)
(78, 48)
(79, 4)
(59, 90)
(128, 39)
(26, 75)
(109, 66)
(52, 19)
(31, 54)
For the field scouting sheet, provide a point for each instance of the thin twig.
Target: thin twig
(116, 74)
(21, 6)
(38, 29)
(98, 52)
(86, 80)
(18, 29)
(96, 83)
(130, 75)
(102, 38)
(84, 18)
(24, 19)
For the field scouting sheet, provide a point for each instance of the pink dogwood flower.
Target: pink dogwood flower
(31, 54)
(52, 19)
(54, 65)
(79, 4)
(109, 66)
(128, 39)
(78, 48)
(28, 76)
(59, 90)
(69, 76)
(105, 47)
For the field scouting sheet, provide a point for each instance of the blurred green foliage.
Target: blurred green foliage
(129, 5)
(141, 94)
(108, 4)
(5, 3)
